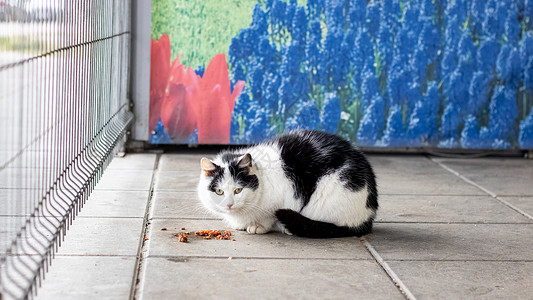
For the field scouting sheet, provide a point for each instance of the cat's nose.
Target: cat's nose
(229, 206)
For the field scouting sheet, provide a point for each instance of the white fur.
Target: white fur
(333, 203)
(254, 210)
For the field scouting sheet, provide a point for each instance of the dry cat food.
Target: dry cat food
(182, 238)
(206, 235)
(214, 234)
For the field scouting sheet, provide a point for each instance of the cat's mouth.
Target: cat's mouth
(229, 210)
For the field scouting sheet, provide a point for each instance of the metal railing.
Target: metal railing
(64, 69)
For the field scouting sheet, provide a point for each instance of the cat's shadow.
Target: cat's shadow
(428, 243)
(402, 235)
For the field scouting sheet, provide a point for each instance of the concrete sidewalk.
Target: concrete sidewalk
(446, 229)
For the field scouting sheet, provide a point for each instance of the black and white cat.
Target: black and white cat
(308, 183)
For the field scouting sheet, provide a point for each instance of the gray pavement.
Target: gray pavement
(446, 229)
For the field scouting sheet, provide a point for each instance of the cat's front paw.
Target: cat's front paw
(256, 229)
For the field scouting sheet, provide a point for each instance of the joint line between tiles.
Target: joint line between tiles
(144, 243)
(493, 195)
(390, 273)
(518, 210)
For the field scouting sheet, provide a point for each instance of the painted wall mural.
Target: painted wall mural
(389, 73)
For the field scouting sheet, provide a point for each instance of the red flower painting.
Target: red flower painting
(214, 102)
(159, 70)
(185, 101)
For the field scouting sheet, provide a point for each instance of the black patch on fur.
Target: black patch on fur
(358, 173)
(372, 200)
(308, 155)
(216, 175)
(229, 157)
(242, 175)
(302, 226)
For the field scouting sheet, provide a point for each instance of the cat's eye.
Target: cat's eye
(237, 190)
(219, 192)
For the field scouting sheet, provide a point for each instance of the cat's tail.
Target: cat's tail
(302, 226)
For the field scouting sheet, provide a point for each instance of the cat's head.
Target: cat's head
(228, 184)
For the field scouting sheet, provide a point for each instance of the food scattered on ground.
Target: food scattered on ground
(214, 234)
(164, 228)
(185, 233)
(182, 238)
(205, 234)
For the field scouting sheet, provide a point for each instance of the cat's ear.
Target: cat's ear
(207, 166)
(246, 161)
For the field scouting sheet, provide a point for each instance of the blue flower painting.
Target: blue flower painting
(386, 73)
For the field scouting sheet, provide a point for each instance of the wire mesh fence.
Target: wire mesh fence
(63, 113)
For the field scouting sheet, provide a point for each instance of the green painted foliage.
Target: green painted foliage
(199, 29)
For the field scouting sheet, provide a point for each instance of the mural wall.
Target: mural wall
(426, 73)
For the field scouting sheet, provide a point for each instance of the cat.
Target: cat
(307, 183)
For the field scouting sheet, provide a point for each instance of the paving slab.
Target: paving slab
(124, 180)
(12, 202)
(403, 164)
(41, 231)
(106, 203)
(407, 241)
(133, 161)
(21, 178)
(179, 181)
(181, 162)
(6, 156)
(501, 176)
(524, 203)
(88, 277)
(491, 164)
(466, 279)
(28, 159)
(102, 236)
(20, 268)
(447, 209)
(271, 245)
(9, 225)
(190, 278)
(169, 204)
(438, 183)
